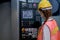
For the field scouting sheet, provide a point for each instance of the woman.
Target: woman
(49, 29)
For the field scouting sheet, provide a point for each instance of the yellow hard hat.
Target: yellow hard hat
(44, 4)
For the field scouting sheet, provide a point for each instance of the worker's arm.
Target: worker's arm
(46, 33)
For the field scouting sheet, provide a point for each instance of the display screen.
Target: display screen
(30, 0)
(23, 0)
(27, 14)
(24, 4)
(35, 1)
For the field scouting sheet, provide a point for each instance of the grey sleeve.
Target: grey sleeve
(46, 33)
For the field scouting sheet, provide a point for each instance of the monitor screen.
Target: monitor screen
(24, 4)
(27, 14)
(23, 0)
(34, 1)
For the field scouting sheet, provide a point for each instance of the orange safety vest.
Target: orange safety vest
(53, 30)
(59, 36)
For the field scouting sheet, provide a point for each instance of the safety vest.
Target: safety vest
(59, 36)
(53, 28)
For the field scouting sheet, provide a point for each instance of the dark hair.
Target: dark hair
(46, 13)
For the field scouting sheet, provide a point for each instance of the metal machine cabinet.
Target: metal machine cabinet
(29, 20)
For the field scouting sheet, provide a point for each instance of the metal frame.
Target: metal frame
(15, 19)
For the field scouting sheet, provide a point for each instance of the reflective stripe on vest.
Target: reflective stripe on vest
(53, 30)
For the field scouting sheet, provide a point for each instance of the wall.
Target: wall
(57, 18)
(5, 21)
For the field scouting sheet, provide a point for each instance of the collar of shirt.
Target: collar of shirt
(49, 19)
